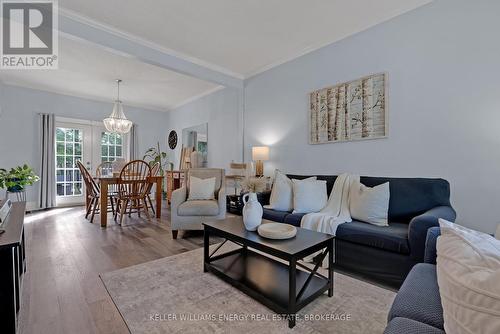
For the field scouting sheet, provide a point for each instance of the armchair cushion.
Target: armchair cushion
(199, 208)
(419, 225)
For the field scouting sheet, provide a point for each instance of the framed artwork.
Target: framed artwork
(354, 110)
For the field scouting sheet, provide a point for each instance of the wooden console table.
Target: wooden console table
(175, 180)
(12, 267)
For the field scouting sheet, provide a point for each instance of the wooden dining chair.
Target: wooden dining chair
(132, 188)
(92, 191)
(106, 169)
(155, 170)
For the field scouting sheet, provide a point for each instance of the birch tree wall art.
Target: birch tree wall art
(354, 110)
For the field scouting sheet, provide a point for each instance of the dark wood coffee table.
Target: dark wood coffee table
(279, 285)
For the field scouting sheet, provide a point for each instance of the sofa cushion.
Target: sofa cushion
(408, 326)
(294, 219)
(418, 298)
(410, 197)
(274, 215)
(198, 208)
(392, 238)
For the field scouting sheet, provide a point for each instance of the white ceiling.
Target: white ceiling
(236, 37)
(242, 36)
(89, 71)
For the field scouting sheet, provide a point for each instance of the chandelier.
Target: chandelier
(117, 122)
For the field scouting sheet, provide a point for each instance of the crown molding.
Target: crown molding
(284, 60)
(196, 97)
(146, 43)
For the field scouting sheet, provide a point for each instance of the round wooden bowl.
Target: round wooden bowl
(277, 231)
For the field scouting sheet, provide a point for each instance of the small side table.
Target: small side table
(175, 180)
(234, 204)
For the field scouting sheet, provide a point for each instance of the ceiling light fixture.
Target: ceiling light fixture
(117, 122)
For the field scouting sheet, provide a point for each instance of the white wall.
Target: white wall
(443, 62)
(19, 131)
(220, 111)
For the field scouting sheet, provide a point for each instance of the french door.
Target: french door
(84, 141)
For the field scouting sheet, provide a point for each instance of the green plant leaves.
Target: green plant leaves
(19, 176)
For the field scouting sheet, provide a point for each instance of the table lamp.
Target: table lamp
(259, 155)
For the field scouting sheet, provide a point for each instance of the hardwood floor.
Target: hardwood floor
(62, 291)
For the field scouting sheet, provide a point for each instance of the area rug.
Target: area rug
(173, 295)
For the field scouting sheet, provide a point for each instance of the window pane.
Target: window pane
(60, 148)
(77, 175)
(104, 138)
(60, 176)
(118, 139)
(77, 158)
(78, 136)
(111, 151)
(69, 149)
(60, 161)
(69, 135)
(69, 162)
(59, 134)
(112, 138)
(78, 149)
(77, 188)
(60, 189)
(118, 151)
(104, 150)
(69, 175)
(68, 189)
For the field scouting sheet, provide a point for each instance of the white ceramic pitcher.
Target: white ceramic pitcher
(252, 212)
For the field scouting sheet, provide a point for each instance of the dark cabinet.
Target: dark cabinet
(12, 267)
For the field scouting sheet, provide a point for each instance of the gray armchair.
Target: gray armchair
(189, 215)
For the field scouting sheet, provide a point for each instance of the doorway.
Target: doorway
(88, 142)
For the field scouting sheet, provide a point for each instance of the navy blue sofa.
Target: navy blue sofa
(417, 307)
(385, 254)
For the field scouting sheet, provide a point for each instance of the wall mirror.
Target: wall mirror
(194, 147)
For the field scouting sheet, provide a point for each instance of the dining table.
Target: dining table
(105, 182)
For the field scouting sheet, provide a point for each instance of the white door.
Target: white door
(73, 143)
(89, 143)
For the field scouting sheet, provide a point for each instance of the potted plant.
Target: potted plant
(154, 155)
(17, 178)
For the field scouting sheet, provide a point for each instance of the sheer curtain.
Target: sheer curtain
(47, 198)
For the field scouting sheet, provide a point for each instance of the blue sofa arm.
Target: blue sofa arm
(417, 232)
(430, 245)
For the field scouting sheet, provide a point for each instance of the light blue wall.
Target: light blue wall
(19, 131)
(220, 111)
(443, 63)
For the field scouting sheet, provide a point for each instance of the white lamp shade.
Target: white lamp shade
(260, 153)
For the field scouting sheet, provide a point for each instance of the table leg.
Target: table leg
(104, 204)
(206, 246)
(330, 268)
(159, 193)
(292, 292)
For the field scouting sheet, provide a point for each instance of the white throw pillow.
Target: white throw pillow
(309, 196)
(282, 193)
(468, 271)
(370, 205)
(201, 189)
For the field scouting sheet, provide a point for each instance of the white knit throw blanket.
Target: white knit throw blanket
(336, 211)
